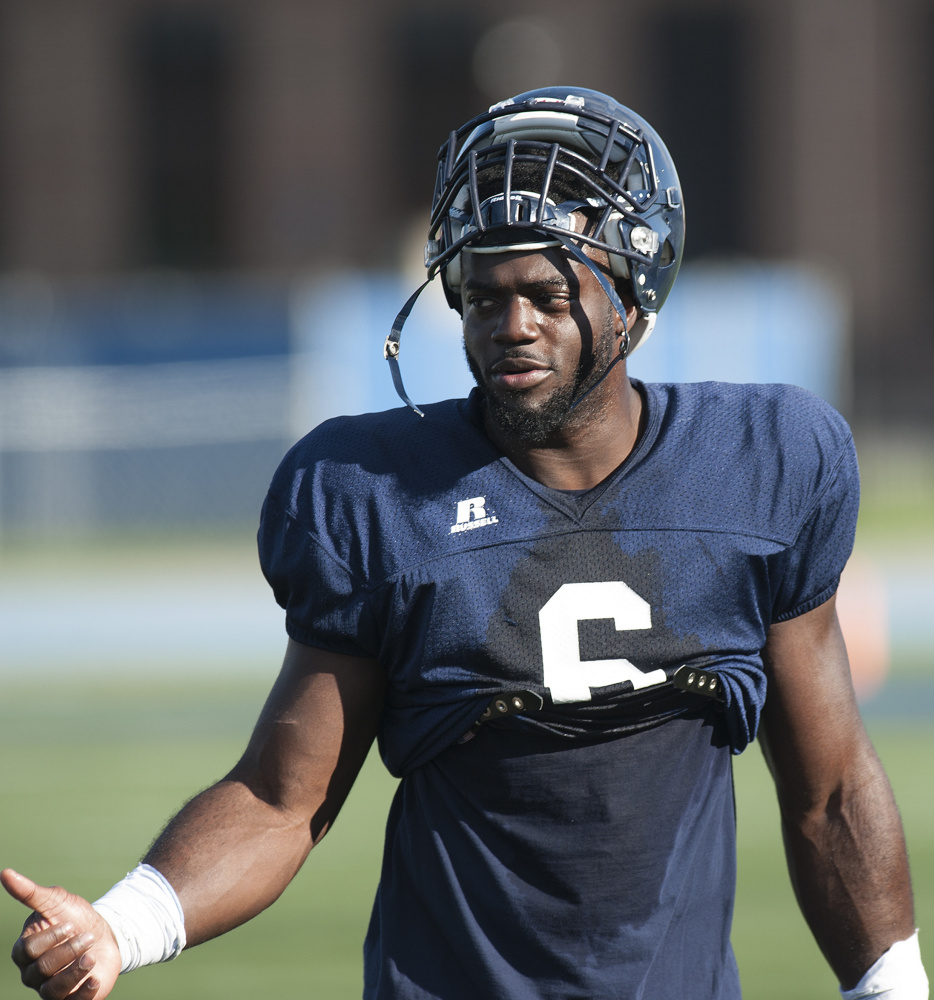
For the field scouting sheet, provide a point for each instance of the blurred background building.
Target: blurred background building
(175, 177)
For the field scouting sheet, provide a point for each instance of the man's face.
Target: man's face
(538, 332)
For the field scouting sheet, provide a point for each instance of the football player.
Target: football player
(561, 605)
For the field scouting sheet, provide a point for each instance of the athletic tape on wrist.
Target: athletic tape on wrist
(897, 975)
(146, 918)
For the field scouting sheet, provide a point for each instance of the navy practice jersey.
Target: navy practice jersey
(582, 847)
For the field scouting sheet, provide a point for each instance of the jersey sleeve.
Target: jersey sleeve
(808, 570)
(326, 603)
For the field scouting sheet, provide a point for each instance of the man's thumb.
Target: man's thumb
(46, 900)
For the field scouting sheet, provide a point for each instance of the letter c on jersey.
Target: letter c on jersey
(569, 678)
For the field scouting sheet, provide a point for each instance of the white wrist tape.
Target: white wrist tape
(146, 918)
(897, 975)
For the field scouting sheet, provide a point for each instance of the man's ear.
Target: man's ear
(623, 332)
(632, 314)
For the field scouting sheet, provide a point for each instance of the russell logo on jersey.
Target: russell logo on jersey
(471, 514)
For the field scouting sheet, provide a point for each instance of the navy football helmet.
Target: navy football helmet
(577, 138)
(515, 177)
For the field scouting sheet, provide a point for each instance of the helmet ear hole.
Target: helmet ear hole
(667, 254)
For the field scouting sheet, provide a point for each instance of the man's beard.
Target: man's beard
(536, 426)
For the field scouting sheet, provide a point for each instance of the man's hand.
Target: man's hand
(66, 949)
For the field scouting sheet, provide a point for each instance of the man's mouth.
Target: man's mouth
(519, 373)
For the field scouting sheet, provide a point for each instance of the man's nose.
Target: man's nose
(518, 322)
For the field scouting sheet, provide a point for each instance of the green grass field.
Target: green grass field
(90, 770)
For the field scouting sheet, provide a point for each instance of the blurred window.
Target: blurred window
(432, 65)
(700, 116)
(182, 71)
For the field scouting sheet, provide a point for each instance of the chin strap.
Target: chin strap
(619, 357)
(615, 301)
(392, 345)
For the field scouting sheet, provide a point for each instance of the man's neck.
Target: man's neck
(585, 452)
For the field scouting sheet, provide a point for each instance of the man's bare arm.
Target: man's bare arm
(843, 835)
(235, 847)
(231, 850)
